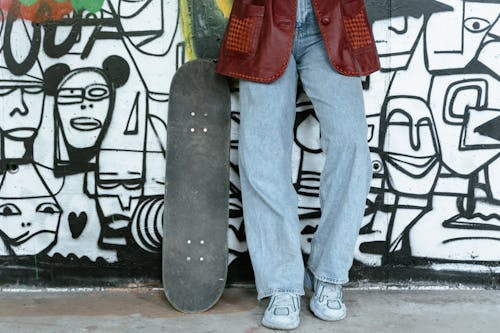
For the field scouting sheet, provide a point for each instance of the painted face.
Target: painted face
(29, 214)
(466, 109)
(396, 39)
(488, 55)
(466, 28)
(119, 183)
(22, 106)
(30, 225)
(411, 159)
(84, 102)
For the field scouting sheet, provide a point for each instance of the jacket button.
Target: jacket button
(325, 20)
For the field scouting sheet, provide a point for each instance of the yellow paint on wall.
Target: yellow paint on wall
(187, 28)
(225, 7)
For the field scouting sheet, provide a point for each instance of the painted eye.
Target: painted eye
(132, 185)
(9, 209)
(33, 89)
(48, 208)
(67, 96)
(97, 92)
(4, 91)
(70, 92)
(107, 185)
(476, 24)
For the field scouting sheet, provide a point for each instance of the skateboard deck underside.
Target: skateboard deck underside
(197, 188)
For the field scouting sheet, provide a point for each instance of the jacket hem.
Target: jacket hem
(335, 65)
(266, 79)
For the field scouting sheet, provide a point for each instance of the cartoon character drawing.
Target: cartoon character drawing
(29, 212)
(470, 28)
(464, 218)
(411, 158)
(84, 103)
(22, 98)
(117, 187)
(397, 26)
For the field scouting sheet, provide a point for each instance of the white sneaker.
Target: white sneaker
(327, 302)
(282, 312)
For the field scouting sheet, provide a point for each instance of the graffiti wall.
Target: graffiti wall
(83, 99)
(83, 107)
(434, 116)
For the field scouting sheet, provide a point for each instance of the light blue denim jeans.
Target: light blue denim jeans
(265, 149)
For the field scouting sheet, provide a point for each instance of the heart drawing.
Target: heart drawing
(77, 223)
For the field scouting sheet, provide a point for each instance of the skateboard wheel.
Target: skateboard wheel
(189, 241)
(188, 258)
(192, 129)
(193, 114)
(202, 242)
(205, 130)
(201, 258)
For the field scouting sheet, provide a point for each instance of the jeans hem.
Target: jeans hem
(324, 278)
(270, 292)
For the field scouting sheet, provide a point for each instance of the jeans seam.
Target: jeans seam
(272, 291)
(324, 278)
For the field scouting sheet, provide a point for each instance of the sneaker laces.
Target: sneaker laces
(283, 299)
(282, 303)
(330, 292)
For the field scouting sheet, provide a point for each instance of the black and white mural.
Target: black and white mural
(83, 107)
(434, 114)
(83, 99)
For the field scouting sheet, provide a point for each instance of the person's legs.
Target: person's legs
(346, 177)
(269, 199)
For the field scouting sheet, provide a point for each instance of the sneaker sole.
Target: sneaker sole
(292, 326)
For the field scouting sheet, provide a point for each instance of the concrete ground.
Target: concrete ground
(146, 310)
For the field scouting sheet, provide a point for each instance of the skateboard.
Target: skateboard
(196, 212)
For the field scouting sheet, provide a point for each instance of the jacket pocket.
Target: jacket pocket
(356, 25)
(244, 27)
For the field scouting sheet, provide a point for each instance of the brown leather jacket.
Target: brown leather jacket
(259, 36)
